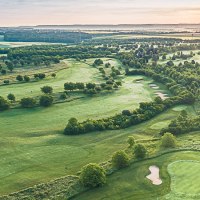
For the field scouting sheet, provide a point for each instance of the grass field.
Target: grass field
(131, 183)
(187, 36)
(32, 146)
(4, 44)
(185, 179)
(73, 72)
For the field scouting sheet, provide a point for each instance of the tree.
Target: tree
(53, 75)
(126, 112)
(11, 97)
(3, 71)
(168, 140)
(90, 85)
(73, 127)
(131, 141)
(140, 151)
(80, 86)
(28, 102)
(46, 100)
(63, 96)
(92, 175)
(10, 66)
(4, 104)
(6, 82)
(98, 62)
(19, 78)
(70, 86)
(41, 76)
(47, 90)
(26, 78)
(120, 160)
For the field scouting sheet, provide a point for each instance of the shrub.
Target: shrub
(63, 96)
(131, 141)
(73, 127)
(140, 151)
(28, 102)
(120, 160)
(92, 175)
(6, 82)
(53, 75)
(41, 76)
(4, 104)
(126, 112)
(168, 140)
(11, 97)
(46, 100)
(19, 78)
(26, 78)
(47, 89)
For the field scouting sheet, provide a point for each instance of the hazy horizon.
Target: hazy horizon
(48, 12)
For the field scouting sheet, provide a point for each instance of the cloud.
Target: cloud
(98, 11)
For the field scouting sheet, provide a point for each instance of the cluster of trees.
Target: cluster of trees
(94, 175)
(181, 55)
(183, 124)
(92, 88)
(4, 104)
(47, 54)
(126, 119)
(44, 101)
(45, 36)
(184, 75)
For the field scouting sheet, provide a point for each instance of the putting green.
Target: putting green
(185, 179)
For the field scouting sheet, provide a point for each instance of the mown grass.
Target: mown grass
(131, 183)
(33, 148)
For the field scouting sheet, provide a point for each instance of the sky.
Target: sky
(40, 12)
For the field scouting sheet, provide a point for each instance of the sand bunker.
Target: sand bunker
(154, 177)
(154, 86)
(162, 95)
(139, 80)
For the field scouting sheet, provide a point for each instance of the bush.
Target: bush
(6, 82)
(120, 160)
(63, 96)
(19, 78)
(131, 141)
(28, 102)
(140, 151)
(126, 112)
(92, 175)
(4, 104)
(168, 140)
(47, 89)
(26, 78)
(11, 97)
(46, 100)
(73, 127)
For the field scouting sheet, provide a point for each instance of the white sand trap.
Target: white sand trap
(154, 86)
(154, 177)
(162, 95)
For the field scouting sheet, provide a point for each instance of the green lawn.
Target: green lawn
(74, 72)
(32, 147)
(132, 184)
(185, 179)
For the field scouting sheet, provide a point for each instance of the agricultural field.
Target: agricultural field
(96, 106)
